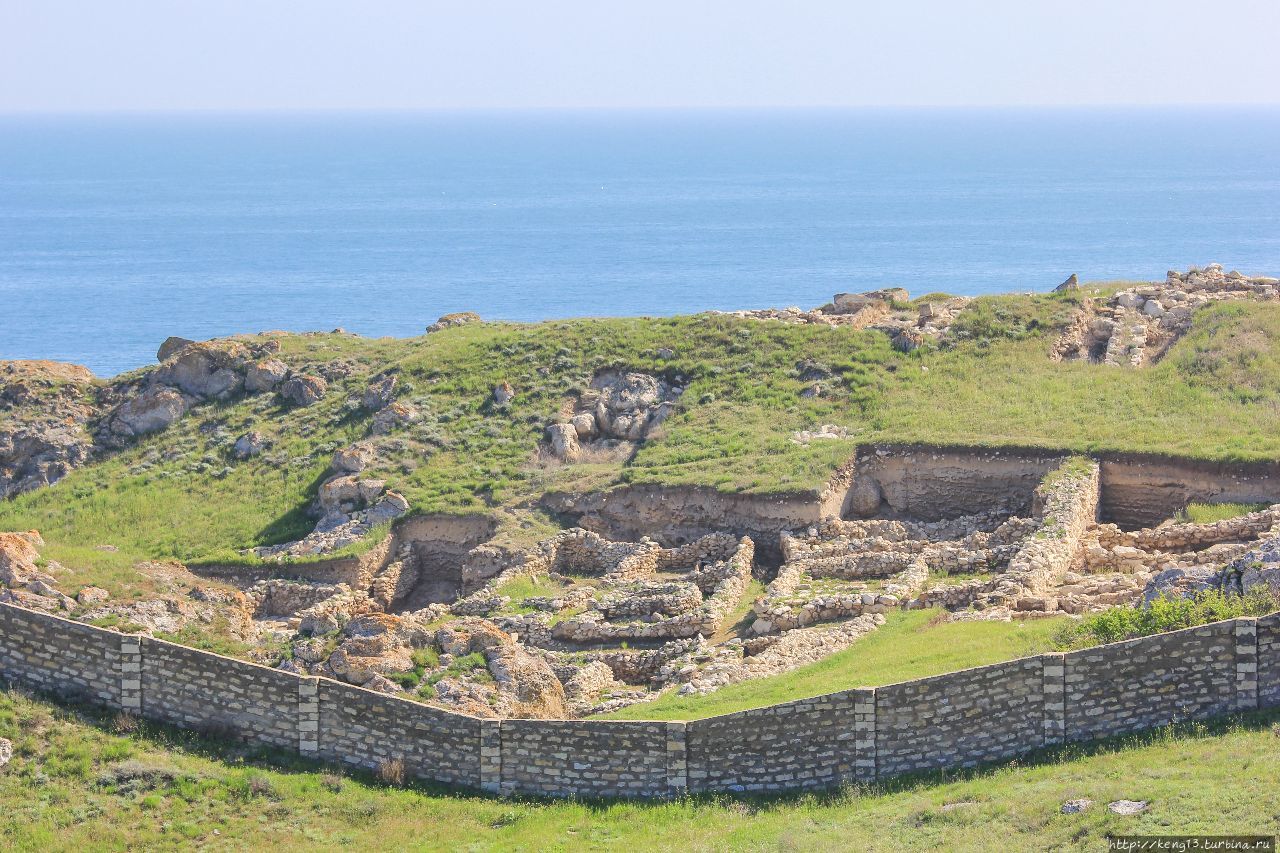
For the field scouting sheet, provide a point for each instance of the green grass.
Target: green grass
(181, 495)
(911, 644)
(73, 785)
(1208, 513)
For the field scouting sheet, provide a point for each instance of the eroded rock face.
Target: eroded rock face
(18, 555)
(45, 407)
(154, 410)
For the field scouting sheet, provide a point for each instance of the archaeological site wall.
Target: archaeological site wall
(965, 718)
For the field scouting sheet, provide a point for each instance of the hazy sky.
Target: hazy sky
(379, 54)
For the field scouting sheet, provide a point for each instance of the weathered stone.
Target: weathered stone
(304, 390)
(564, 442)
(249, 445)
(152, 411)
(172, 346)
(379, 394)
(264, 376)
(1072, 283)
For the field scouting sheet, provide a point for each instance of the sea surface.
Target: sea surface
(117, 231)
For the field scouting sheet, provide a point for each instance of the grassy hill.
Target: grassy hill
(180, 493)
(79, 781)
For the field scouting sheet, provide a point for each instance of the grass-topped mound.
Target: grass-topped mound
(183, 494)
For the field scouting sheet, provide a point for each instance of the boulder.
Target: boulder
(208, 370)
(172, 346)
(907, 340)
(1129, 299)
(584, 424)
(249, 445)
(393, 417)
(91, 595)
(18, 555)
(564, 442)
(265, 375)
(449, 321)
(152, 411)
(379, 394)
(304, 390)
(1153, 308)
(1072, 283)
(353, 459)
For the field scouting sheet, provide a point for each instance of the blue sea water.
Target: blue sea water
(116, 232)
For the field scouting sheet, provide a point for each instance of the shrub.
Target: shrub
(1163, 614)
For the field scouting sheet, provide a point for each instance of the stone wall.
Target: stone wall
(991, 713)
(1151, 681)
(812, 743)
(960, 719)
(585, 758)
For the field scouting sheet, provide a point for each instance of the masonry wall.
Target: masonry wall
(986, 714)
(960, 719)
(60, 657)
(207, 692)
(812, 743)
(1269, 661)
(584, 757)
(1151, 681)
(364, 728)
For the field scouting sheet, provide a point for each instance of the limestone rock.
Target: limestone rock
(1072, 283)
(1076, 806)
(354, 458)
(92, 595)
(379, 394)
(265, 375)
(865, 497)
(393, 417)
(18, 555)
(584, 424)
(208, 370)
(171, 346)
(1128, 807)
(449, 321)
(249, 445)
(152, 411)
(304, 390)
(564, 442)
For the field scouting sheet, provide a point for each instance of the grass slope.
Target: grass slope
(75, 785)
(181, 495)
(911, 644)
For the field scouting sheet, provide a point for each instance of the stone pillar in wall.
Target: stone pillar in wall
(1055, 698)
(131, 674)
(308, 717)
(1246, 664)
(491, 756)
(677, 760)
(864, 735)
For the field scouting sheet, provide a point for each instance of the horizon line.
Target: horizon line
(552, 110)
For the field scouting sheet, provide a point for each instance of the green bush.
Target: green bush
(1163, 614)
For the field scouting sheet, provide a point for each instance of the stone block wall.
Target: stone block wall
(584, 758)
(363, 728)
(990, 713)
(811, 743)
(960, 719)
(206, 692)
(60, 657)
(1268, 640)
(1151, 681)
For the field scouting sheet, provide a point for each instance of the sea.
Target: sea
(117, 231)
